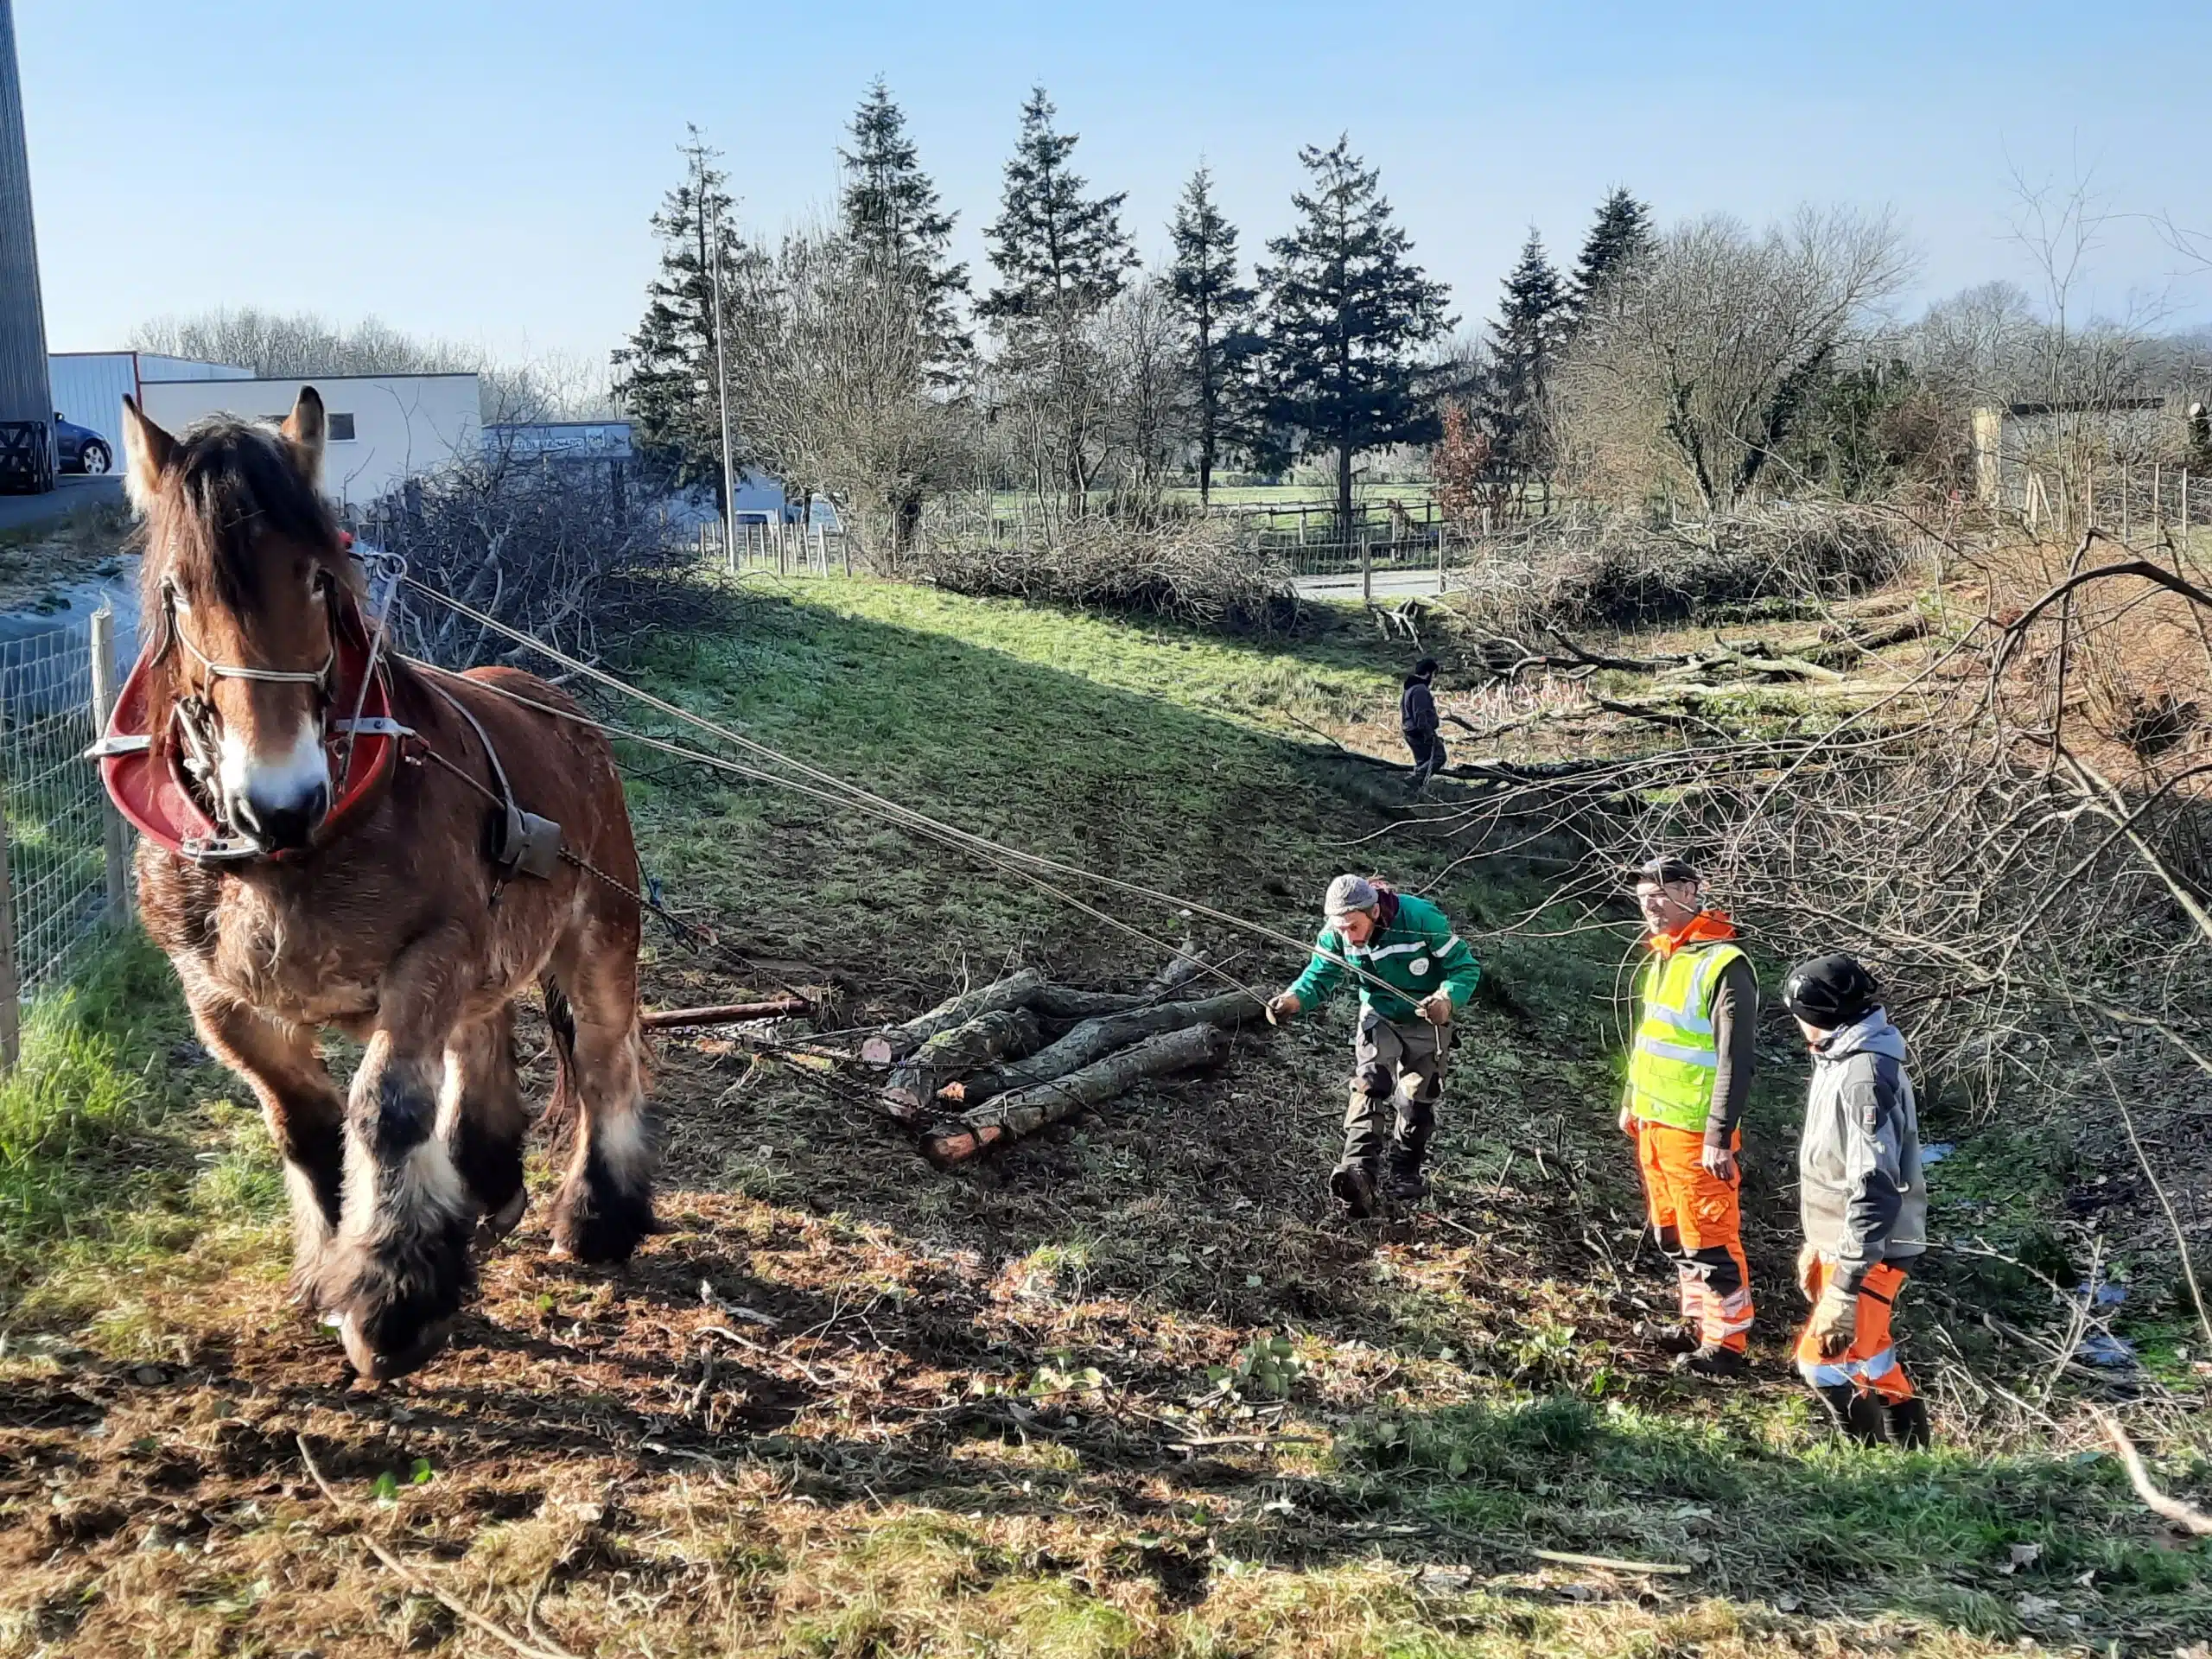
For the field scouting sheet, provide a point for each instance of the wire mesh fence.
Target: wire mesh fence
(61, 878)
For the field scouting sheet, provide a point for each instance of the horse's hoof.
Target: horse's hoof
(498, 1224)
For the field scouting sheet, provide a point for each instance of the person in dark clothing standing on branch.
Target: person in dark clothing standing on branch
(1417, 719)
(1862, 1200)
(1690, 1075)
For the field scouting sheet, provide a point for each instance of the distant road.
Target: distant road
(67, 495)
(1387, 584)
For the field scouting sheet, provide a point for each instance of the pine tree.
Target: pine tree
(1061, 258)
(1346, 310)
(1620, 237)
(890, 211)
(1216, 309)
(1524, 341)
(665, 376)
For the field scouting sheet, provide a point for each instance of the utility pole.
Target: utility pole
(721, 373)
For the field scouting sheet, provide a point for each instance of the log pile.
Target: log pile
(977, 1071)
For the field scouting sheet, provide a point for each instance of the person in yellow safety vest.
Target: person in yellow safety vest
(1689, 1074)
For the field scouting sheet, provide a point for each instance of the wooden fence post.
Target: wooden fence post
(2127, 501)
(12, 1007)
(1443, 534)
(1366, 569)
(115, 846)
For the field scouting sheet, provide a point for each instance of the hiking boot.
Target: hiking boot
(1906, 1424)
(1355, 1185)
(1707, 1359)
(1856, 1416)
(1406, 1183)
(1668, 1339)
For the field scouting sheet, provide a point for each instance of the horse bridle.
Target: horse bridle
(192, 713)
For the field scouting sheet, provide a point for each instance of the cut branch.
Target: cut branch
(1027, 1110)
(895, 1044)
(988, 1037)
(726, 1014)
(1095, 1039)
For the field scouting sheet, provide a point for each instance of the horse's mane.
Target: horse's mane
(230, 484)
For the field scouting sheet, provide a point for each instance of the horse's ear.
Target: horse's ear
(303, 429)
(146, 451)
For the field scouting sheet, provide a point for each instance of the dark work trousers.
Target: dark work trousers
(1428, 756)
(1396, 1079)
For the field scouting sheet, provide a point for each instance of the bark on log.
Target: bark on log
(1013, 991)
(726, 1014)
(1024, 1112)
(1095, 1039)
(1066, 1002)
(1001, 1034)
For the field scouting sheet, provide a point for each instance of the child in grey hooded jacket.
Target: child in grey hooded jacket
(1862, 1200)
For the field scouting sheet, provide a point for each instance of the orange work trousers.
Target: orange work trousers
(1699, 1224)
(1871, 1361)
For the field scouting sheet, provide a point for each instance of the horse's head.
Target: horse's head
(245, 568)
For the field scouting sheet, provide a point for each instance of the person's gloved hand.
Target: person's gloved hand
(1628, 1121)
(1835, 1320)
(1281, 1007)
(1808, 1259)
(1437, 1009)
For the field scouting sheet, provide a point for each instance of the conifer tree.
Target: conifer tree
(1216, 310)
(1620, 237)
(890, 211)
(665, 377)
(1057, 252)
(1524, 341)
(1061, 256)
(1347, 311)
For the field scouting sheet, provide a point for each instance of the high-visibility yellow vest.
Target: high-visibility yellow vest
(1670, 1070)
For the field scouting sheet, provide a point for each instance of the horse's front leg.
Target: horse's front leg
(398, 1271)
(305, 1113)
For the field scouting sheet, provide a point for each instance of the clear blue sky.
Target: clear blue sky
(485, 171)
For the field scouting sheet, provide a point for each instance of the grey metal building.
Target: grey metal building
(26, 405)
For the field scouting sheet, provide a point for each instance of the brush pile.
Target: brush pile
(995, 1064)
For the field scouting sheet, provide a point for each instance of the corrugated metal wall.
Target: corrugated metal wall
(23, 312)
(89, 387)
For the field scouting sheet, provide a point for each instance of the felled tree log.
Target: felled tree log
(1067, 1002)
(1094, 1039)
(725, 1013)
(988, 1037)
(1014, 991)
(1027, 1110)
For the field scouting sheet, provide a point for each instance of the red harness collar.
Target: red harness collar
(145, 771)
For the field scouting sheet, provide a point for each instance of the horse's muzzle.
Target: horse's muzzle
(284, 825)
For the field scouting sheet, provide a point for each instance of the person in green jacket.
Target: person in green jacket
(1414, 974)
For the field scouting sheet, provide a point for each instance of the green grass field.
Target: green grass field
(1012, 1409)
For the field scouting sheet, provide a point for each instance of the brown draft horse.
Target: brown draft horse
(388, 921)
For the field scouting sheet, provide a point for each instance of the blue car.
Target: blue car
(79, 448)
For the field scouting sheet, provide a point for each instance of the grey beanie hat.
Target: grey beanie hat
(1348, 893)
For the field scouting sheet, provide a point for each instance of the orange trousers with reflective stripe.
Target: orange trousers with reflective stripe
(1699, 1223)
(1871, 1361)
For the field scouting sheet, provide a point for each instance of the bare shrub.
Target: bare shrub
(557, 551)
(1193, 570)
(1620, 570)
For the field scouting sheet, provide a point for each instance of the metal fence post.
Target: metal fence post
(11, 1005)
(115, 846)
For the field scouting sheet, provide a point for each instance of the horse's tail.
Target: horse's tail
(561, 1111)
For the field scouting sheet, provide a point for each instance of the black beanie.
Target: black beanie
(1830, 992)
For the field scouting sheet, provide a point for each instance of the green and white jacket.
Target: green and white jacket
(1412, 951)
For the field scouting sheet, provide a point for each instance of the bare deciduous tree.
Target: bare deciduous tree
(1721, 340)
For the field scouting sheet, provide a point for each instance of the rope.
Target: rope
(828, 787)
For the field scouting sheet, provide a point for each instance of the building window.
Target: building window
(341, 428)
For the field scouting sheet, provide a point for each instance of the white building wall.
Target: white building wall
(89, 387)
(403, 425)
